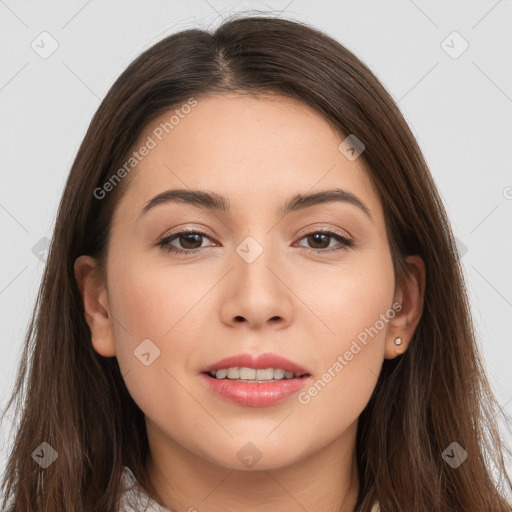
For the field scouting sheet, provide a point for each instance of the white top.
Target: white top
(134, 498)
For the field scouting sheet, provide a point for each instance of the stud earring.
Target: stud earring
(398, 341)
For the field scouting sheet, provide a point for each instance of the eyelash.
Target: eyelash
(165, 245)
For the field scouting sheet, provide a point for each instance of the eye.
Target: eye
(324, 238)
(191, 242)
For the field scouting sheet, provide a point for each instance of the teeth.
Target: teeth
(267, 374)
(244, 373)
(278, 373)
(233, 373)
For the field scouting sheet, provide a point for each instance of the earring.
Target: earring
(398, 341)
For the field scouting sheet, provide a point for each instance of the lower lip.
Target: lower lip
(255, 394)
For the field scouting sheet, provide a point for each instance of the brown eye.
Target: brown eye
(320, 241)
(189, 242)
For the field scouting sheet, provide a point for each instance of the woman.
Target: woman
(253, 299)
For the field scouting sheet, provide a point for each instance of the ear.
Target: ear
(96, 306)
(411, 296)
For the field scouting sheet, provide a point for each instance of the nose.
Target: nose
(258, 293)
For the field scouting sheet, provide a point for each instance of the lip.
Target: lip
(256, 394)
(257, 361)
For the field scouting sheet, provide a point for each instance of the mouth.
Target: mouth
(246, 374)
(255, 381)
(265, 366)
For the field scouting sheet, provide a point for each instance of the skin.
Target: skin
(304, 305)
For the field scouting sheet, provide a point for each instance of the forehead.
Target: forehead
(256, 151)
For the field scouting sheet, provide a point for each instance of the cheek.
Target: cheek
(346, 299)
(152, 308)
(152, 300)
(356, 310)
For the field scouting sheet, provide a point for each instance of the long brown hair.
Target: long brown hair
(436, 393)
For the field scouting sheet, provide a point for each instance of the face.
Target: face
(313, 284)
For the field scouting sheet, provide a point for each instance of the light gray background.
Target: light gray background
(460, 109)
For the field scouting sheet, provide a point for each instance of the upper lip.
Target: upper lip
(257, 361)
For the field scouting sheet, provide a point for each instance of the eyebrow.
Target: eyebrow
(217, 202)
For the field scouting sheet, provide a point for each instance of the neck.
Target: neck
(326, 480)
